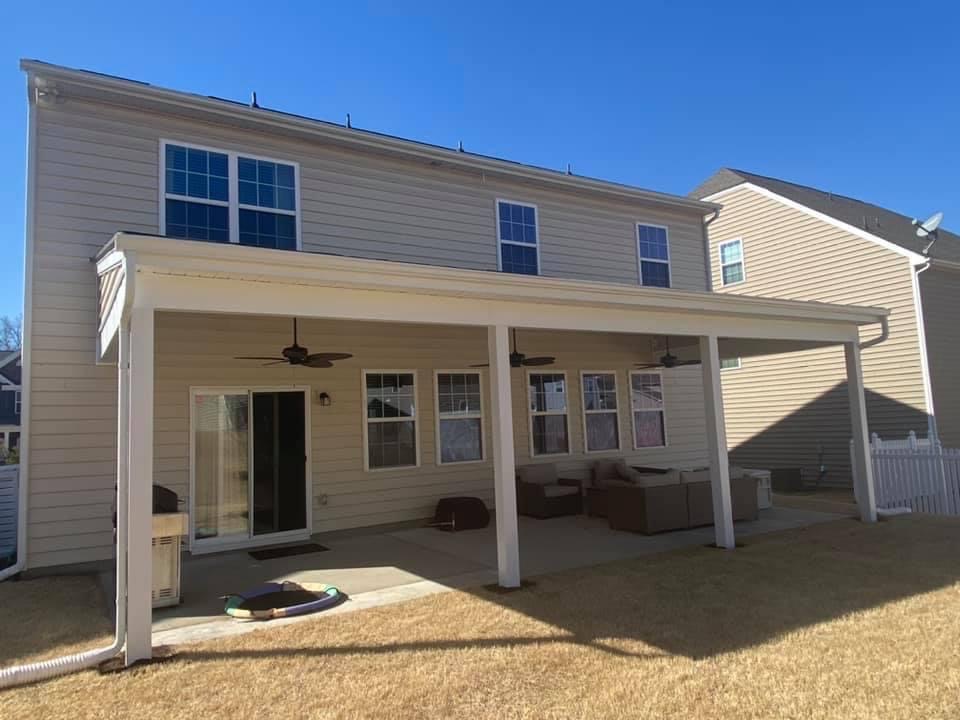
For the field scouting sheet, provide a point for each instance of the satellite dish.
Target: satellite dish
(928, 229)
(928, 226)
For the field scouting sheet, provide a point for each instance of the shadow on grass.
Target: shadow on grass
(700, 603)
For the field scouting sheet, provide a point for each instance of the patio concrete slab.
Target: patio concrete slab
(381, 569)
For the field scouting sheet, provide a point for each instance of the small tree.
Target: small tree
(11, 332)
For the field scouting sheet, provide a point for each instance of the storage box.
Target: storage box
(764, 487)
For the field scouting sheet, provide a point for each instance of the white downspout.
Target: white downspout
(33, 672)
(708, 269)
(932, 432)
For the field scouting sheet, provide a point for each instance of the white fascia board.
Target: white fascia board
(914, 257)
(168, 257)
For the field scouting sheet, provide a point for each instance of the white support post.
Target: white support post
(504, 463)
(140, 501)
(717, 442)
(862, 462)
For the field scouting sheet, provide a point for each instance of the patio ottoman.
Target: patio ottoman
(461, 513)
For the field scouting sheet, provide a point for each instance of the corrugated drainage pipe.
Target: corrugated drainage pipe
(34, 672)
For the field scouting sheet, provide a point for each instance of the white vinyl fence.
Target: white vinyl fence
(916, 473)
(9, 475)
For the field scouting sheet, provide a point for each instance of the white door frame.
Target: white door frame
(220, 544)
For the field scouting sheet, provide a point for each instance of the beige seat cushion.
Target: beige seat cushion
(688, 477)
(736, 472)
(538, 474)
(649, 480)
(560, 490)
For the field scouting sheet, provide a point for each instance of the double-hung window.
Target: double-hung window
(518, 238)
(732, 270)
(653, 251)
(600, 422)
(228, 197)
(549, 433)
(459, 417)
(390, 402)
(646, 401)
(733, 363)
(17, 402)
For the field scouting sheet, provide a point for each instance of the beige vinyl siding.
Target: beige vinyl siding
(781, 409)
(939, 298)
(97, 172)
(196, 351)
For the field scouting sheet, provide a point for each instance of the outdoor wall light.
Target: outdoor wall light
(324, 399)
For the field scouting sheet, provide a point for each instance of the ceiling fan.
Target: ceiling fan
(297, 355)
(668, 360)
(518, 359)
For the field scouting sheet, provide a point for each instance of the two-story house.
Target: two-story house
(10, 401)
(779, 239)
(300, 326)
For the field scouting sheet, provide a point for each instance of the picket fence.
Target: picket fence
(916, 473)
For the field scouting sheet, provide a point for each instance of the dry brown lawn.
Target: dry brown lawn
(842, 620)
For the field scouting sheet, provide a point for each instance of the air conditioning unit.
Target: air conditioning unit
(168, 529)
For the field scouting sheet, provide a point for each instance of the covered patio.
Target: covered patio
(382, 568)
(145, 277)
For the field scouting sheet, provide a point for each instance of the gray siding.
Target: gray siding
(782, 409)
(97, 172)
(940, 293)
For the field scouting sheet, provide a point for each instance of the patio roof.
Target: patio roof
(183, 275)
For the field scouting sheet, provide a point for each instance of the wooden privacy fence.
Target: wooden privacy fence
(9, 476)
(916, 473)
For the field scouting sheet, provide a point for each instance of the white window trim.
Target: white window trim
(531, 413)
(633, 414)
(641, 259)
(233, 189)
(472, 416)
(742, 261)
(367, 421)
(584, 412)
(501, 241)
(733, 367)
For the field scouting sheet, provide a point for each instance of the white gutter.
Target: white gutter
(26, 350)
(706, 248)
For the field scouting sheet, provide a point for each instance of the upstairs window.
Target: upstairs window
(730, 363)
(654, 254)
(732, 270)
(225, 197)
(271, 185)
(196, 194)
(517, 236)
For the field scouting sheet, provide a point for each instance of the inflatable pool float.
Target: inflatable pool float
(282, 599)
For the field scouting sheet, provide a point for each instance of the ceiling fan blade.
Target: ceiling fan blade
(686, 362)
(648, 366)
(481, 365)
(538, 361)
(315, 362)
(257, 357)
(328, 356)
(277, 362)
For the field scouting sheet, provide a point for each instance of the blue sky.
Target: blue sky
(858, 98)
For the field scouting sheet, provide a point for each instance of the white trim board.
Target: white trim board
(915, 258)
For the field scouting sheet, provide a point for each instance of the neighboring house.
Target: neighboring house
(10, 402)
(213, 225)
(779, 239)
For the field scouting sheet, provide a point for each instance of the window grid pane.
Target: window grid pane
(460, 440)
(269, 230)
(603, 431)
(550, 434)
(548, 393)
(517, 230)
(732, 273)
(391, 420)
(267, 184)
(653, 243)
(196, 173)
(600, 392)
(655, 274)
(197, 221)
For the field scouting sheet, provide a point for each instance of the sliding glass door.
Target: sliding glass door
(249, 465)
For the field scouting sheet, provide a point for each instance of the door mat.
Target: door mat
(287, 551)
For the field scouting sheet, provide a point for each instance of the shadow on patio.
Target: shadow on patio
(693, 602)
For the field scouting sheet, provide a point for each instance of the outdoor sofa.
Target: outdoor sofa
(542, 493)
(652, 500)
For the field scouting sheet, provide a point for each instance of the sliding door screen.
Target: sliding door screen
(221, 455)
